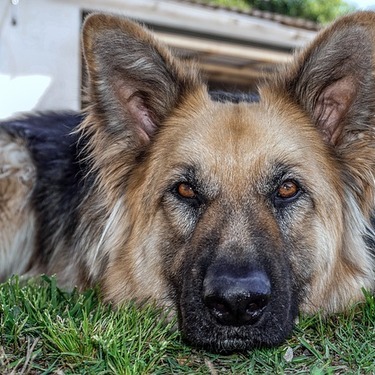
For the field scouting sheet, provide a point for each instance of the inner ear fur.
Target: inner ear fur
(332, 79)
(134, 81)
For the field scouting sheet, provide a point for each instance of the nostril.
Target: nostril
(252, 307)
(254, 310)
(218, 308)
(257, 303)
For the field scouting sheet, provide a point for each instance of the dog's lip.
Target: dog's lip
(231, 342)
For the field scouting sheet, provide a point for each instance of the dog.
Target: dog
(236, 214)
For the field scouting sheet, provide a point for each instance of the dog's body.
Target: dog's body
(236, 214)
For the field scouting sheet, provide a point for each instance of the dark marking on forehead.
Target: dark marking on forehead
(233, 97)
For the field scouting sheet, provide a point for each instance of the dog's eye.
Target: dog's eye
(186, 191)
(287, 192)
(287, 189)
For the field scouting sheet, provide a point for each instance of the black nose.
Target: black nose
(236, 297)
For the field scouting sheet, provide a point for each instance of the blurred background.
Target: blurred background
(235, 41)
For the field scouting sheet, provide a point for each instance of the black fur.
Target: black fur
(57, 152)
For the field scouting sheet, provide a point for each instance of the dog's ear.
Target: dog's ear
(333, 81)
(134, 82)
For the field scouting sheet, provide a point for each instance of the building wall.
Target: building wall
(39, 56)
(40, 60)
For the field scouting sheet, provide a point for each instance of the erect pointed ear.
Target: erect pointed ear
(333, 81)
(134, 81)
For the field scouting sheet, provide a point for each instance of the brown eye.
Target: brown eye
(288, 189)
(186, 191)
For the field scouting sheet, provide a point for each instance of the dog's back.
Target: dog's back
(41, 189)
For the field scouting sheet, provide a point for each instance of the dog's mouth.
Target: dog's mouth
(236, 310)
(201, 330)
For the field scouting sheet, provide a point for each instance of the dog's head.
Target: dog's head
(237, 214)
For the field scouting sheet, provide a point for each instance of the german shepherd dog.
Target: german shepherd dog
(237, 215)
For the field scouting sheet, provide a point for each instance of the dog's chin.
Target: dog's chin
(217, 338)
(201, 330)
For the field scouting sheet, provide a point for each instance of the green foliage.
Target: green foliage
(239, 4)
(321, 11)
(324, 11)
(44, 330)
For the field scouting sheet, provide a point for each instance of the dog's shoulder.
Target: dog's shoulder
(48, 138)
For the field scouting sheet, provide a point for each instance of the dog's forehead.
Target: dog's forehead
(236, 148)
(244, 138)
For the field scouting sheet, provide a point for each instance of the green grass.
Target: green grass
(44, 330)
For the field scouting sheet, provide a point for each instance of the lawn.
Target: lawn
(44, 330)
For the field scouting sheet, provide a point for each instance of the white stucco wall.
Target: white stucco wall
(39, 56)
